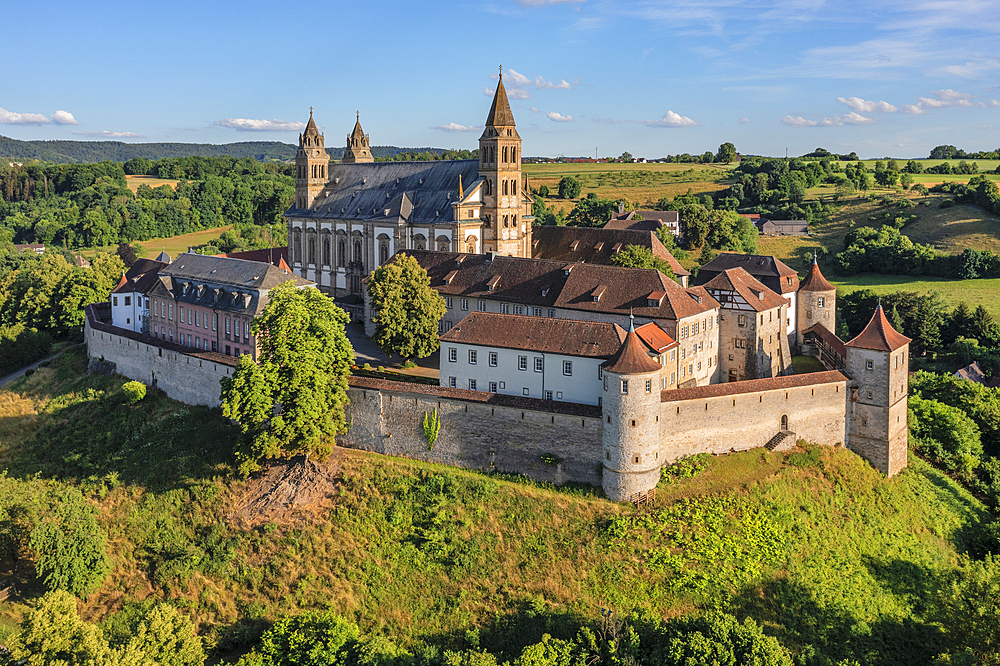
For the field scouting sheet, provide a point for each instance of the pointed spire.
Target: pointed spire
(631, 321)
(879, 334)
(460, 191)
(815, 280)
(358, 133)
(632, 357)
(500, 113)
(311, 129)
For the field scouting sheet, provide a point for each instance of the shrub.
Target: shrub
(69, 546)
(134, 392)
(29, 372)
(946, 203)
(432, 426)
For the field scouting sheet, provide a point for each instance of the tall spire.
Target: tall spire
(500, 113)
(460, 191)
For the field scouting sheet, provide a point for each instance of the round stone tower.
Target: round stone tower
(631, 412)
(817, 303)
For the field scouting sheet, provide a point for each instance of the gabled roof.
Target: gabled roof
(879, 334)
(754, 292)
(632, 357)
(815, 280)
(829, 338)
(277, 256)
(569, 337)
(416, 192)
(973, 373)
(543, 283)
(651, 220)
(500, 113)
(655, 337)
(231, 272)
(595, 245)
(769, 270)
(140, 277)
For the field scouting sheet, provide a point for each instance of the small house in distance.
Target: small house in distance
(782, 227)
(646, 220)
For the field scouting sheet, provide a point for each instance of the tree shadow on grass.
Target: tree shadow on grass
(826, 634)
(87, 431)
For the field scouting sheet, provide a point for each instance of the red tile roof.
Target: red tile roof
(879, 334)
(596, 245)
(769, 270)
(655, 337)
(752, 386)
(277, 256)
(754, 292)
(632, 357)
(550, 284)
(829, 338)
(815, 281)
(557, 336)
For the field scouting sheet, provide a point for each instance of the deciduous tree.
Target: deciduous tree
(726, 154)
(637, 256)
(405, 308)
(292, 401)
(569, 188)
(69, 546)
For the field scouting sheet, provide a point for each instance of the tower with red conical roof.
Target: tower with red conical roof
(877, 362)
(816, 303)
(630, 407)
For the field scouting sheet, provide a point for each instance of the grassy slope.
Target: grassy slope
(423, 552)
(173, 245)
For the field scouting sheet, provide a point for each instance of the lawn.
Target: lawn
(973, 292)
(641, 184)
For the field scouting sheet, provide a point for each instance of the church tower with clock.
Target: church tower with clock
(507, 220)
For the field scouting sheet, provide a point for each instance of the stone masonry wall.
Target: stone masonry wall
(185, 378)
(749, 419)
(474, 434)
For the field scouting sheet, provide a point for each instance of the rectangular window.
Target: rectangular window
(493, 387)
(537, 312)
(452, 382)
(691, 368)
(197, 343)
(525, 391)
(548, 395)
(246, 329)
(228, 351)
(683, 371)
(452, 354)
(171, 317)
(215, 321)
(128, 300)
(504, 308)
(869, 365)
(739, 343)
(518, 309)
(114, 301)
(493, 360)
(673, 354)
(182, 338)
(605, 383)
(699, 366)
(539, 364)
(447, 302)
(156, 330)
(213, 345)
(694, 329)
(482, 306)
(821, 302)
(600, 372)
(568, 368)
(227, 326)
(649, 386)
(741, 320)
(624, 386)
(197, 318)
(465, 304)
(684, 332)
(522, 362)
(673, 377)
(472, 385)
(473, 356)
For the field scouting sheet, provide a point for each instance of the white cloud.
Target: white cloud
(518, 93)
(946, 98)
(670, 119)
(516, 78)
(14, 118)
(542, 84)
(744, 121)
(105, 134)
(558, 117)
(253, 125)
(865, 106)
(454, 127)
(851, 118)
(64, 118)
(534, 109)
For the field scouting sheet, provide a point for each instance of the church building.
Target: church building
(350, 218)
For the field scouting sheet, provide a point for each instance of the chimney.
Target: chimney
(621, 207)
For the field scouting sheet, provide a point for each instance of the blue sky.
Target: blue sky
(877, 77)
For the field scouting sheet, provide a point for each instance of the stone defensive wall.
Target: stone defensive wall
(541, 439)
(184, 374)
(721, 418)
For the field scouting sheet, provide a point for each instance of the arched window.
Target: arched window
(312, 250)
(342, 253)
(513, 154)
(470, 244)
(383, 252)
(784, 421)
(357, 251)
(443, 244)
(505, 187)
(505, 153)
(326, 251)
(513, 187)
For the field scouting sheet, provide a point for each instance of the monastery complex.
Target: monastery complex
(548, 352)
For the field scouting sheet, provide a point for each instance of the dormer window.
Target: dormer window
(450, 276)
(493, 283)
(460, 258)
(599, 246)
(574, 245)
(598, 292)
(760, 295)
(567, 269)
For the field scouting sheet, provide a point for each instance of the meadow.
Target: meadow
(814, 544)
(174, 245)
(134, 182)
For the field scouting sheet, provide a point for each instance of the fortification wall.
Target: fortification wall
(183, 377)
(745, 415)
(478, 431)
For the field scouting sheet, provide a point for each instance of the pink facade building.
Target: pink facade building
(209, 303)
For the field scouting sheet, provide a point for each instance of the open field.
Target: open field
(135, 181)
(973, 292)
(173, 246)
(642, 184)
(814, 544)
(984, 165)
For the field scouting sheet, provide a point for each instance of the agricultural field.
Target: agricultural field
(420, 553)
(173, 245)
(642, 184)
(135, 181)
(973, 292)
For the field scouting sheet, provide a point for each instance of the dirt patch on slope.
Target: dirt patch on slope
(287, 491)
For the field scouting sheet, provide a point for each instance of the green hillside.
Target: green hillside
(828, 556)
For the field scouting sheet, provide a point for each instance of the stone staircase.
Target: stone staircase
(784, 441)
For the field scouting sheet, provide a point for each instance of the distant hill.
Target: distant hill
(66, 152)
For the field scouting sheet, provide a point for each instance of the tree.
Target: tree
(637, 256)
(625, 157)
(968, 608)
(154, 633)
(726, 154)
(569, 188)
(543, 191)
(292, 401)
(53, 633)
(717, 638)
(695, 222)
(945, 434)
(730, 231)
(405, 308)
(845, 188)
(906, 180)
(592, 211)
(311, 639)
(127, 253)
(69, 546)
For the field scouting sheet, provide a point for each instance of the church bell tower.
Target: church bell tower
(505, 230)
(358, 149)
(311, 163)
